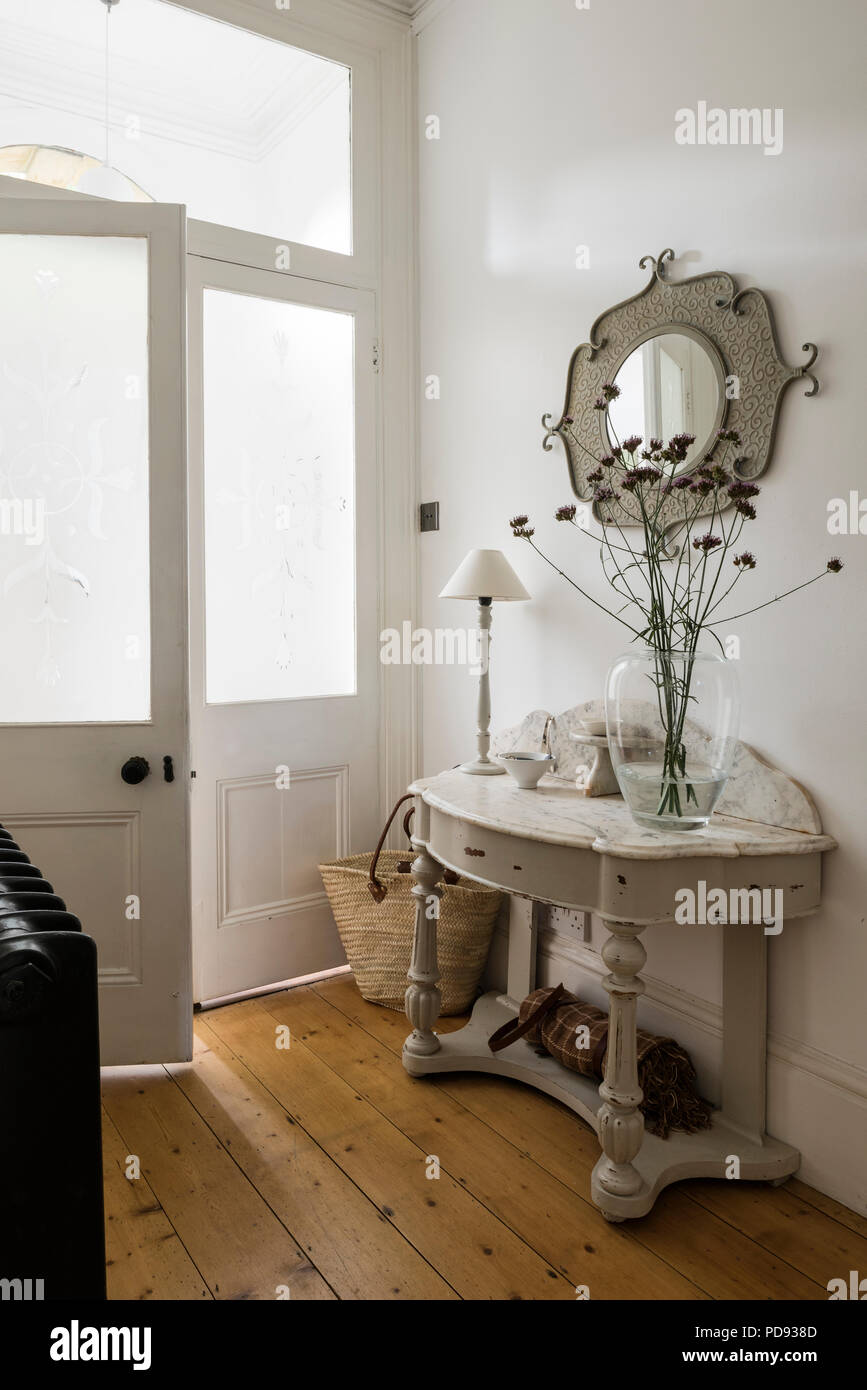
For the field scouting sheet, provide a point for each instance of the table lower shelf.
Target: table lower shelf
(707, 1154)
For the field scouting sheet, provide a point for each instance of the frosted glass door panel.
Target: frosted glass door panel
(74, 558)
(279, 443)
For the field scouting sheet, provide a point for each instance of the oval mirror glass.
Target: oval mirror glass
(672, 383)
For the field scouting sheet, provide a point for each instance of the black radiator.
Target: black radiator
(52, 1234)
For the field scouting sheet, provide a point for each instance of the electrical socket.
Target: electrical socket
(570, 922)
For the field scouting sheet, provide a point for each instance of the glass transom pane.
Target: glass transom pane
(74, 559)
(246, 131)
(279, 468)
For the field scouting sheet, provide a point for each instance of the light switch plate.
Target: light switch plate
(429, 516)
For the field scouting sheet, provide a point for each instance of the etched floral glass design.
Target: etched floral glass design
(279, 470)
(74, 547)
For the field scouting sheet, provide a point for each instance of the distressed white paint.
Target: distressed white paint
(566, 849)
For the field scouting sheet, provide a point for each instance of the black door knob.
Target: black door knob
(135, 770)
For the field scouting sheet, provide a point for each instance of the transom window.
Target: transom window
(247, 131)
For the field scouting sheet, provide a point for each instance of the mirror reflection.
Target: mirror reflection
(669, 385)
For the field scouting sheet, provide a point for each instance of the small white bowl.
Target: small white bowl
(593, 726)
(527, 768)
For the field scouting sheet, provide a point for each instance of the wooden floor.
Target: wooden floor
(269, 1172)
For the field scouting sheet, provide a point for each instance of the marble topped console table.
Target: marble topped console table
(557, 846)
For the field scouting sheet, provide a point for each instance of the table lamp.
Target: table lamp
(484, 575)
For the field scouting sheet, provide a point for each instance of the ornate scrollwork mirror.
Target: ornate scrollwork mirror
(690, 357)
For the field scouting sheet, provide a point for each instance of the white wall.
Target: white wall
(557, 129)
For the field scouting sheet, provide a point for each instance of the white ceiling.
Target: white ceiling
(186, 76)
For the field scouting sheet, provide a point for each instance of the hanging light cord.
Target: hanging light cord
(107, 82)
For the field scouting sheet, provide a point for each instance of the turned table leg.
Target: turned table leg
(621, 1123)
(423, 999)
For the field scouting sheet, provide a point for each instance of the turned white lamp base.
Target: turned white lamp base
(481, 766)
(488, 573)
(482, 769)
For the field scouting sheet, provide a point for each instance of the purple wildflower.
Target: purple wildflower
(678, 484)
(643, 473)
(740, 491)
(701, 484)
(606, 494)
(679, 446)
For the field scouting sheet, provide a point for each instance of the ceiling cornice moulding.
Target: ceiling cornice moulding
(417, 12)
(424, 11)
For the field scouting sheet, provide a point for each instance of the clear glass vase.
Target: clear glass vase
(672, 720)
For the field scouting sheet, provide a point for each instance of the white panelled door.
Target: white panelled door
(92, 575)
(283, 588)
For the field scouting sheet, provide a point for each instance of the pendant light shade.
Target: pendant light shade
(105, 182)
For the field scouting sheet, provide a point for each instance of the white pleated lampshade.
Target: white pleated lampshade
(485, 574)
(102, 181)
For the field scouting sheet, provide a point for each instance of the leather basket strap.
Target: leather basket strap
(513, 1030)
(377, 889)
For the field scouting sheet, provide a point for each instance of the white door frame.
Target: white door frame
(377, 41)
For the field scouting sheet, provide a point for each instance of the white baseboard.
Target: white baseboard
(816, 1102)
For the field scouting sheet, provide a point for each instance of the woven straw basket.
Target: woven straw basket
(377, 935)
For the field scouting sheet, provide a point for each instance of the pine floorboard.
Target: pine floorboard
(294, 1158)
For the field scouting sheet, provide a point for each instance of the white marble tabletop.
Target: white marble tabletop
(557, 813)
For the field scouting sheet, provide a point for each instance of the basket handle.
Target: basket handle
(375, 887)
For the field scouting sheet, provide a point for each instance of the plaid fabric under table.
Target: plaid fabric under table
(576, 1033)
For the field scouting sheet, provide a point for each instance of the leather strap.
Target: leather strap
(598, 1054)
(514, 1029)
(378, 890)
